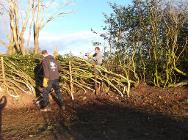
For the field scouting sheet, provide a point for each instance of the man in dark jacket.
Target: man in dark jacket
(51, 79)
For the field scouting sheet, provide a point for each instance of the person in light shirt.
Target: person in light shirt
(96, 57)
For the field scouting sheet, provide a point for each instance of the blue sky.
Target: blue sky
(86, 14)
(72, 33)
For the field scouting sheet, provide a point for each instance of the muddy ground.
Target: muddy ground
(149, 114)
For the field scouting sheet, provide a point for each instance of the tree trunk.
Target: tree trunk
(37, 30)
(36, 42)
(22, 40)
(14, 45)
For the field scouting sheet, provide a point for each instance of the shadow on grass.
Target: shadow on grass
(103, 120)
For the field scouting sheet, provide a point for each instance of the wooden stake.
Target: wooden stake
(3, 69)
(71, 81)
(95, 77)
(3, 72)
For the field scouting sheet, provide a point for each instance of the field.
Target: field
(150, 113)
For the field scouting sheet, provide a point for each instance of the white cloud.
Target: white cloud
(76, 35)
(78, 43)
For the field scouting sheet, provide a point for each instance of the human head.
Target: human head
(97, 49)
(44, 53)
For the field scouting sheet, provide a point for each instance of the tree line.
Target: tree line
(148, 40)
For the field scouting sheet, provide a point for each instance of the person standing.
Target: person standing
(97, 61)
(97, 56)
(51, 80)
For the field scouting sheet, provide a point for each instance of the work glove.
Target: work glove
(90, 56)
(45, 82)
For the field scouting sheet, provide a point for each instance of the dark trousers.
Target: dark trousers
(58, 96)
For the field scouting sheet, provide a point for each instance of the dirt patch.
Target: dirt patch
(150, 113)
(171, 101)
(23, 101)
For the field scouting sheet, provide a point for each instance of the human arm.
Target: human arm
(45, 68)
(46, 73)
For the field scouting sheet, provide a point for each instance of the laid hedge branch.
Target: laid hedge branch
(76, 74)
(83, 76)
(14, 80)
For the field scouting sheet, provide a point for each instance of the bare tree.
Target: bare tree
(17, 23)
(42, 17)
(20, 17)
